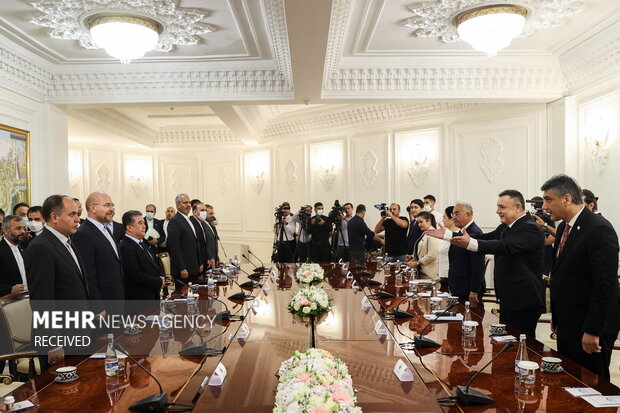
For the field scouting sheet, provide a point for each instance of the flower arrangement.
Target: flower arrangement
(315, 382)
(309, 301)
(308, 273)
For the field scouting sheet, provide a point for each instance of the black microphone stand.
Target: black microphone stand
(424, 342)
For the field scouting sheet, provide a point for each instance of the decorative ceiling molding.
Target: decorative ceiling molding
(195, 136)
(592, 61)
(341, 10)
(457, 82)
(68, 19)
(17, 70)
(114, 120)
(360, 115)
(278, 38)
(435, 19)
(168, 86)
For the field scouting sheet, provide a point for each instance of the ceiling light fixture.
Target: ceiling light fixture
(489, 29)
(125, 37)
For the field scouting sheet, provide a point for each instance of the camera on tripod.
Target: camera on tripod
(337, 211)
(279, 211)
(382, 207)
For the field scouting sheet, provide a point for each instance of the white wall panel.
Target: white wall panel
(223, 189)
(177, 176)
(493, 156)
(370, 172)
(290, 176)
(327, 172)
(417, 166)
(138, 181)
(257, 190)
(103, 176)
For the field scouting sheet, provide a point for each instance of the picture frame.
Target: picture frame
(14, 167)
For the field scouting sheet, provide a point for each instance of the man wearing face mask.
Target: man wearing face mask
(13, 274)
(429, 206)
(155, 234)
(34, 224)
(395, 228)
(320, 227)
(198, 218)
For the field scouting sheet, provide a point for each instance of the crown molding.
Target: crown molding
(20, 72)
(446, 82)
(341, 10)
(350, 116)
(192, 137)
(275, 17)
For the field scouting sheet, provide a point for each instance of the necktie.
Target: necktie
(564, 238)
(107, 228)
(147, 250)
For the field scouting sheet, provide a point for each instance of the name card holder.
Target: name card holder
(349, 274)
(354, 285)
(244, 331)
(380, 328)
(218, 376)
(366, 302)
(402, 372)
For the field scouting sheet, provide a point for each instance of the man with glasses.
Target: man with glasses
(99, 251)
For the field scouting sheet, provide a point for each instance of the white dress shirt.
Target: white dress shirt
(166, 222)
(105, 233)
(20, 262)
(65, 241)
(289, 228)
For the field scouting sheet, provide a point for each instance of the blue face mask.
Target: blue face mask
(25, 221)
(150, 215)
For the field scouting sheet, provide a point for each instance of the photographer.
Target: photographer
(302, 217)
(395, 228)
(284, 228)
(548, 226)
(320, 228)
(340, 216)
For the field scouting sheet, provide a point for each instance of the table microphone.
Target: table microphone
(262, 268)
(424, 342)
(467, 396)
(155, 403)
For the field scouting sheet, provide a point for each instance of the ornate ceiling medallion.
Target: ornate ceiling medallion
(71, 20)
(442, 17)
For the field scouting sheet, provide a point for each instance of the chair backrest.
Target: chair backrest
(17, 318)
(164, 260)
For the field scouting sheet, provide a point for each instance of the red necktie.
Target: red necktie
(564, 238)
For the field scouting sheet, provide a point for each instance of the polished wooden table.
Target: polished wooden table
(348, 332)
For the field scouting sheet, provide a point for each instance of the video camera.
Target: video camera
(382, 207)
(278, 211)
(337, 211)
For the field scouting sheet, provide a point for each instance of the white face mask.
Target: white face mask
(203, 215)
(150, 215)
(427, 208)
(35, 226)
(319, 212)
(214, 222)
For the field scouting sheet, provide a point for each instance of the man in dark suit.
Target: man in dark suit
(143, 273)
(183, 243)
(212, 236)
(518, 245)
(585, 298)
(466, 273)
(199, 214)
(99, 250)
(154, 224)
(53, 267)
(415, 207)
(13, 274)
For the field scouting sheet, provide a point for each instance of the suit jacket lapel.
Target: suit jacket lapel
(572, 235)
(146, 255)
(105, 239)
(64, 252)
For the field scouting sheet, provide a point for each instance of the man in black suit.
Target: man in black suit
(153, 224)
(53, 267)
(183, 243)
(518, 245)
(143, 273)
(99, 250)
(13, 275)
(199, 214)
(466, 273)
(585, 298)
(212, 236)
(359, 234)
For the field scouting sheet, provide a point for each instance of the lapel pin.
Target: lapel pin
(578, 228)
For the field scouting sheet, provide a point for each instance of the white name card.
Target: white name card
(366, 302)
(402, 371)
(266, 287)
(354, 284)
(219, 375)
(244, 331)
(380, 328)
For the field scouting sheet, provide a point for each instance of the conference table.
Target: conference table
(350, 331)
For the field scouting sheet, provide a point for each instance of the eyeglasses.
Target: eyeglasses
(107, 205)
(456, 214)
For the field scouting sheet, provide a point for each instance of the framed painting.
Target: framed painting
(14, 167)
